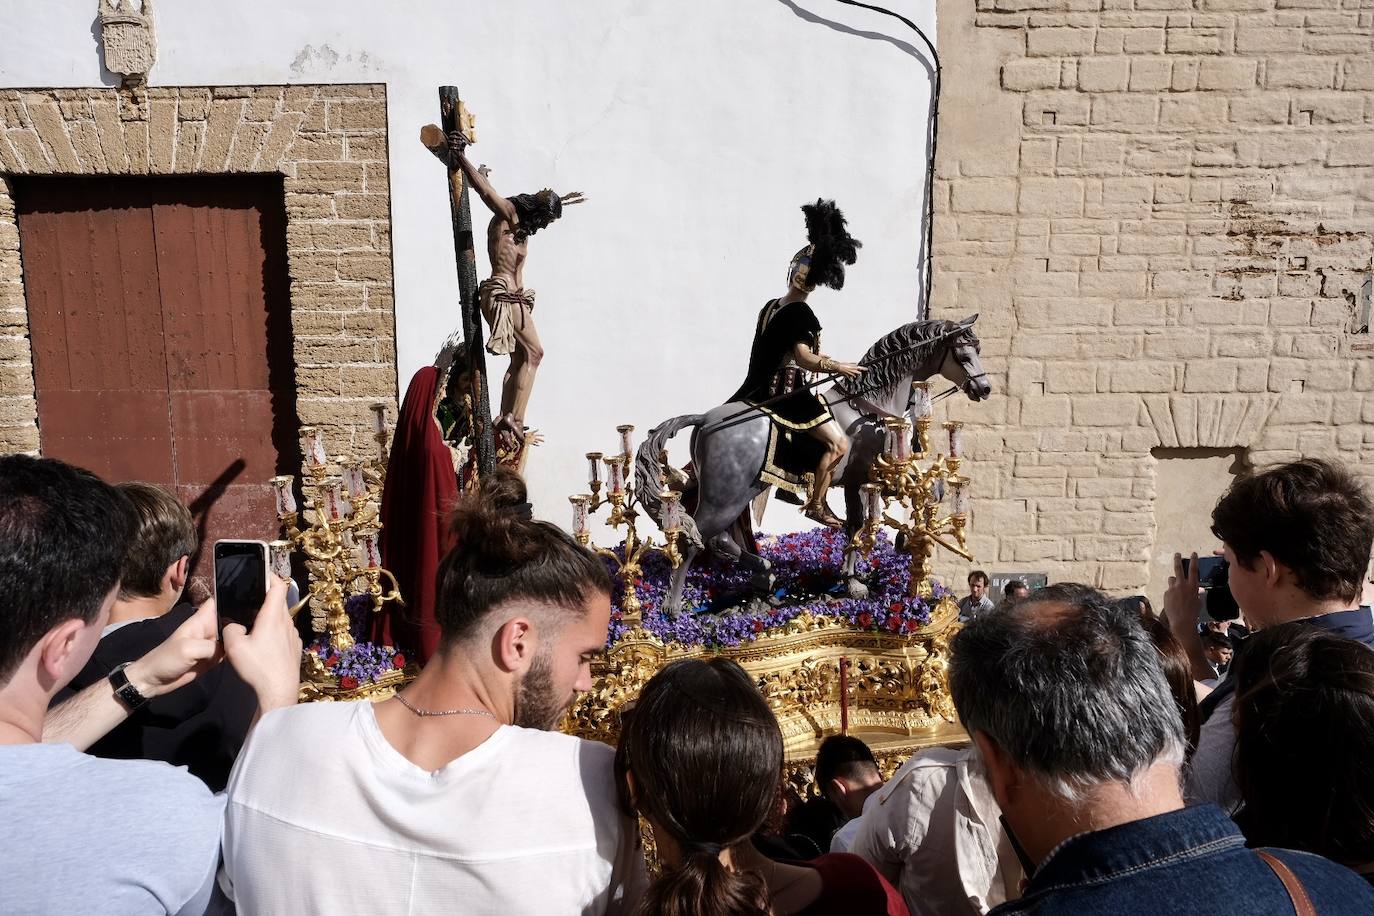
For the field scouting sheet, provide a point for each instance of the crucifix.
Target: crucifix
(456, 118)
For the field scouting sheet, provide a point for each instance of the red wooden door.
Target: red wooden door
(159, 316)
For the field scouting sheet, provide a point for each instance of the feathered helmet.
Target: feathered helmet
(822, 262)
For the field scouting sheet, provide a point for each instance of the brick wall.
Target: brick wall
(329, 143)
(1164, 212)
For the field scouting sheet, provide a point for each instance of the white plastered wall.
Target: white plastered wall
(695, 129)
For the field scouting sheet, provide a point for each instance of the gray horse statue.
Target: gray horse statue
(729, 443)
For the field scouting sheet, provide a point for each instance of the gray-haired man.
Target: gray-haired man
(1067, 705)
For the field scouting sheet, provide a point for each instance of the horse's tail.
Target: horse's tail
(649, 470)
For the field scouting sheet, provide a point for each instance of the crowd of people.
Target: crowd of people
(1121, 760)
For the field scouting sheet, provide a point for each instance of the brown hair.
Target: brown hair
(164, 534)
(1178, 671)
(1304, 760)
(978, 574)
(705, 753)
(502, 554)
(1312, 516)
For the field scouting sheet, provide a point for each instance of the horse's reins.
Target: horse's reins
(754, 410)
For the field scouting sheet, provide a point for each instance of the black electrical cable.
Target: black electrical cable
(928, 266)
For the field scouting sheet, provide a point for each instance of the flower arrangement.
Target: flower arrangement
(364, 663)
(720, 609)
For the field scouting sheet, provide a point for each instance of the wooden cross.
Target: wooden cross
(454, 116)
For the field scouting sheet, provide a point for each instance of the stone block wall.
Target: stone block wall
(1164, 212)
(329, 143)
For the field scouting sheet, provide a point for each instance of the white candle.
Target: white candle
(956, 438)
(580, 520)
(379, 418)
(333, 502)
(353, 478)
(286, 500)
(960, 499)
(369, 556)
(594, 469)
(626, 440)
(890, 440)
(872, 500)
(281, 558)
(312, 442)
(920, 404)
(902, 444)
(672, 511)
(616, 470)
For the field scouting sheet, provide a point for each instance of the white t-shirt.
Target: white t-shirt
(326, 817)
(933, 832)
(843, 840)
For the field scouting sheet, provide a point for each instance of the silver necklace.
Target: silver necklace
(444, 712)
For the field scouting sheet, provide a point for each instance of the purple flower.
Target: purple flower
(365, 662)
(720, 610)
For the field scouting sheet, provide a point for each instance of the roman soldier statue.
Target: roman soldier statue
(807, 442)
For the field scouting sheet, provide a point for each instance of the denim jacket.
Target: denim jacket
(1190, 861)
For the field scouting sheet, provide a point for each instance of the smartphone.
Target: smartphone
(241, 578)
(1205, 567)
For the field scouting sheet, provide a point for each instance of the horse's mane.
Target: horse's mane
(895, 355)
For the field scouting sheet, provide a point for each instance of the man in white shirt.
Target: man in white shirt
(847, 775)
(934, 831)
(455, 795)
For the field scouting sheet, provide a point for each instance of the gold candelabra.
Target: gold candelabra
(340, 540)
(898, 477)
(622, 496)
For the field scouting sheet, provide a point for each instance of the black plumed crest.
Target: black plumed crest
(834, 246)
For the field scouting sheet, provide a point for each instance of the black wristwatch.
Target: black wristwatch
(128, 694)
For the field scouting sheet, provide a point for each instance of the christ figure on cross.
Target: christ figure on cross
(506, 305)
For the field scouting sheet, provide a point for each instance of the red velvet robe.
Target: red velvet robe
(421, 487)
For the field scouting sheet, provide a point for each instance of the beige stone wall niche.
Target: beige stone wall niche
(1164, 211)
(329, 143)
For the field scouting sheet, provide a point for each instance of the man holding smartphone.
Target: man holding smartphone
(1297, 539)
(200, 725)
(153, 830)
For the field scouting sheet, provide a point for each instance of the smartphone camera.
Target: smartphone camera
(1214, 577)
(241, 569)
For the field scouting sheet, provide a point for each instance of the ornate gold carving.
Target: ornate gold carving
(897, 686)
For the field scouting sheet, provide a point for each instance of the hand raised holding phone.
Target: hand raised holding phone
(268, 657)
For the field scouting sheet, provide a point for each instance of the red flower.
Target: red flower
(398, 660)
(865, 619)
(910, 626)
(895, 607)
(758, 626)
(348, 682)
(893, 623)
(331, 661)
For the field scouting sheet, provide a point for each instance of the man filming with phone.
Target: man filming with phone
(148, 832)
(200, 725)
(1296, 540)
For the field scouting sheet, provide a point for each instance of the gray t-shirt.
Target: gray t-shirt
(115, 837)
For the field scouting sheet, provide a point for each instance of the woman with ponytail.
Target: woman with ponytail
(701, 760)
